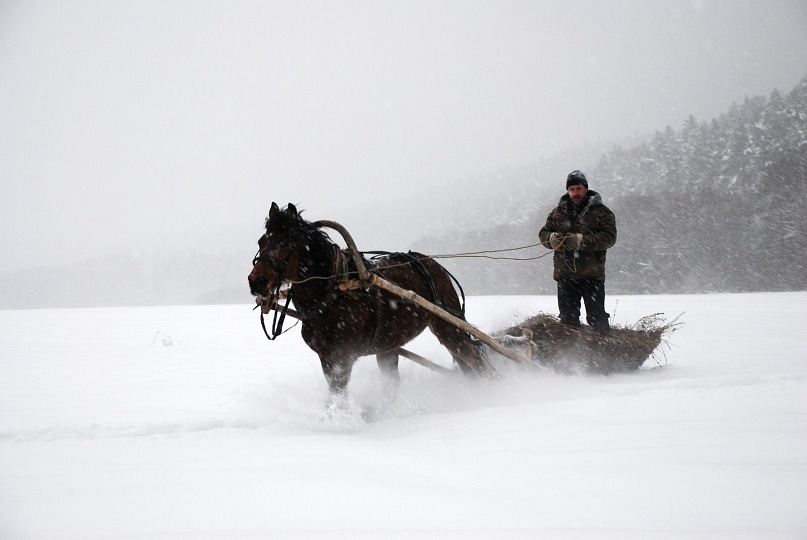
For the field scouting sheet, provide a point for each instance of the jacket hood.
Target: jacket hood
(593, 199)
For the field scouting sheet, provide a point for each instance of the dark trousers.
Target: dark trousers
(592, 291)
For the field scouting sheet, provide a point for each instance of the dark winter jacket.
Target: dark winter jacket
(598, 225)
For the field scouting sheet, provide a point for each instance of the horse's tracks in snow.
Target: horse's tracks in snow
(116, 431)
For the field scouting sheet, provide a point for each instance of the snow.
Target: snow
(185, 422)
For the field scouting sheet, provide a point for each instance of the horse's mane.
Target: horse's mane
(289, 222)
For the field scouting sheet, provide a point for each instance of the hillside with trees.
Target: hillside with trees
(716, 206)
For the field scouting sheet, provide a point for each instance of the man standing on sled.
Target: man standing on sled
(580, 230)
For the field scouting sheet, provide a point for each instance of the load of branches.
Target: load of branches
(570, 349)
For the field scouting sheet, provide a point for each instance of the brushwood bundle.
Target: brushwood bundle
(569, 349)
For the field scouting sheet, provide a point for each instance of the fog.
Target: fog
(167, 123)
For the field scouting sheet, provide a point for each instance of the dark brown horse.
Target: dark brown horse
(341, 326)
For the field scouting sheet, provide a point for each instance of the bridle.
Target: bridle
(281, 267)
(287, 270)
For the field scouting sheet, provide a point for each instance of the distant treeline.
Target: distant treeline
(715, 207)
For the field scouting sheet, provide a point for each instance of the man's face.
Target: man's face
(577, 193)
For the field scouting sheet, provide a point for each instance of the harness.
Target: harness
(340, 272)
(421, 268)
(424, 272)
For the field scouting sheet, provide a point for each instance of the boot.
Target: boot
(603, 328)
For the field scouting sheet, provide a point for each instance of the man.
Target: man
(580, 230)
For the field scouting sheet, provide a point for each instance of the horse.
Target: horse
(342, 325)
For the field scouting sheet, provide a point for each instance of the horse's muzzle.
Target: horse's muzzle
(258, 285)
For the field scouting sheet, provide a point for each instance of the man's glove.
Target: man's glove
(573, 241)
(556, 241)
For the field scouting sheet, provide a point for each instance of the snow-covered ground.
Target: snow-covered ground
(185, 422)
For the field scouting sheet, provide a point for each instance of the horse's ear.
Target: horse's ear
(292, 209)
(273, 210)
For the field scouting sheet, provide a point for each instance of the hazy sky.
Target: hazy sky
(154, 118)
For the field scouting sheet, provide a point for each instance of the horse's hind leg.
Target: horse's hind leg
(467, 352)
(388, 364)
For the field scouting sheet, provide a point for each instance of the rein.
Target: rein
(279, 317)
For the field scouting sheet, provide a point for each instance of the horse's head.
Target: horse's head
(278, 256)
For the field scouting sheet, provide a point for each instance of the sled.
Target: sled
(573, 350)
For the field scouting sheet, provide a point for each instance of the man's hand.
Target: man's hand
(573, 241)
(556, 241)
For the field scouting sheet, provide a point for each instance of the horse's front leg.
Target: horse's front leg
(337, 369)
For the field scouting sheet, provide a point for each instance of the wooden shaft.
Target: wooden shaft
(425, 362)
(445, 315)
